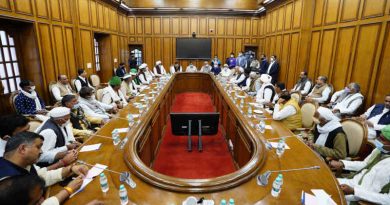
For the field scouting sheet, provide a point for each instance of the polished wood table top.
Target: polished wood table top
(248, 192)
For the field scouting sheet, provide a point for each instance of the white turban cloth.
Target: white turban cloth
(59, 112)
(332, 124)
(265, 78)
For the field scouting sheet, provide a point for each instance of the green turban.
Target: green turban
(115, 81)
(386, 132)
(133, 71)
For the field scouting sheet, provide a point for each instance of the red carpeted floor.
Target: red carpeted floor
(173, 158)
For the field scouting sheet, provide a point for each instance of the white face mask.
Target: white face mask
(65, 124)
(32, 88)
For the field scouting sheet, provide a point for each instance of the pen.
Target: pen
(303, 198)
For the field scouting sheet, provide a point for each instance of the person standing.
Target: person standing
(81, 80)
(231, 61)
(263, 64)
(273, 69)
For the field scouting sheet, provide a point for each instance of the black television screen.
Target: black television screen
(193, 48)
(209, 121)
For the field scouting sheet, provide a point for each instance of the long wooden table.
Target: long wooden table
(249, 154)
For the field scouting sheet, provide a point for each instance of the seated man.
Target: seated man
(377, 117)
(248, 83)
(206, 68)
(159, 69)
(81, 80)
(92, 107)
(121, 70)
(320, 92)
(329, 140)
(135, 81)
(149, 74)
(143, 76)
(225, 72)
(82, 125)
(288, 111)
(252, 89)
(61, 88)
(127, 87)
(371, 182)
(112, 95)
(176, 68)
(58, 136)
(266, 93)
(303, 85)
(9, 126)
(239, 78)
(346, 101)
(191, 68)
(279, 89)
(22, 152)
(28, 101)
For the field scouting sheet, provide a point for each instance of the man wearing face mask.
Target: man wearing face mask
(82, 125)
(225, 72)
(58, 136)
(329, 140)
(92, 107)
(231, 61)
(206, 68)
(371, 180)
(263, 64)
(191, 68)
(61, 88)
(121, 70)
(377, 117)
(320, 92)
(176, 68)
(273, 69)
(241, 60)
(266, 93)
(346, 101)
(303, 85)
(215, 62)
(28, 101)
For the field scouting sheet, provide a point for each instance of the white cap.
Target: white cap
(143, 65)
(127, 76)
(241, 69)
(265, 78)
(59, 112)
(158, 62)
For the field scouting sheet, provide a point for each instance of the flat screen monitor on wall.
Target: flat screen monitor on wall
(193, 48)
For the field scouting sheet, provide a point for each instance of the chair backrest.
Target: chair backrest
(51, 85)
(34, 124)
(308, 109)
(95, 80)
(331, 93)
(72, 84)
(12, 98)
(297, 96)
(99, 94)
(357, 133)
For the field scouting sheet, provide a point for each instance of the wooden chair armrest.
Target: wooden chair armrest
(365, 203)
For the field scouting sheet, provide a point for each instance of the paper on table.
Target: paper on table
(258, 111)
(323, 197)
(310, 199)
(135, 115)
(275, 145)
(91, 147)
(93, 172)
(268, 127)
(123, 130)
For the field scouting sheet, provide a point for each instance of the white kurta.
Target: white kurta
(324, 97)
(248, 84)
(163, 72)
(305, 90)
(172, 69)
(94, 108)
(225, 72)
(57, 93)
(50, 177)
(144, 79)
(238, 80)
(266, 92)
(349, 104)
(373, 181)
(206, 69)
(374, 120)
(49, 151)
(280, 114)
(149, 75)
(191, 69)
(77, 84)
(2, 147)
(110, 96)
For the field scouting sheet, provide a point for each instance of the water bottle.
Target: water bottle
(280, 148)
(123, 195)
(103, 182)
(277, 186)
(115, 137)
(223, 202)
(130, 119)
(261, 126)
(231, 201)
(250, 111)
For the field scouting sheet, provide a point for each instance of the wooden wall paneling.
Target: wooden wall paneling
(116, 44)
(318, 12)
(157, 48)
(255, 27)
(288, 16)
(280, 18)
(229, 47)
(105, 55)
(382, 86)
(331, 11)
(275, 20)
(148, 25)
(41, 8)
(373, 8)
(167, 54)
(220, 49)
(113, 20)
(297, 14)
(100, 15)
(72, 66)
(184, 26)
(106, 16)
(166, 25)
(203, 29)
(220, 26)
(83, 6)
(131, 25)
(239, 46)
(278, 45)
(139, 25)
(247, 27)
(314, 52)
(55, 9)
(268, 24)
(86, 39)
(326, 52)
(284, 58)
(211, 26)
(144, 150)
(66, 11)
(342, 57)
(292, 69)
(5, 5)
(349, 10)
(366, 48)
(230, 26)
(194, 25)
(239, 29)
(24, 7)
(94, 15)
(60, 51)
(148, 55)
(175, 27)
(120, 24)
(47, 52)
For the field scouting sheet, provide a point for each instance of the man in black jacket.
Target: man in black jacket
(273, 69)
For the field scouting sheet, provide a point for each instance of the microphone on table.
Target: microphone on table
(262, 179)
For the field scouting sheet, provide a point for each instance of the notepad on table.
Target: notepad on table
(92, 147)
(123, 130)
(275, 145)
(93, 172)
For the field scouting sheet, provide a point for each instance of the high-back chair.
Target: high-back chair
(51, 85)
(99, 94)
(12, 98)
(308, 109)
(95, 80)
(34, 124)
(297, 96)
(73, 85)
(357, 133)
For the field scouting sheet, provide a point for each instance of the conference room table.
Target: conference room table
(248, 151)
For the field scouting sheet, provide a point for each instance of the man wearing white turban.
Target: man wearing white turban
(58, 136)
(159, 69)
(267, 92)
(239, 77)
(329, 140)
